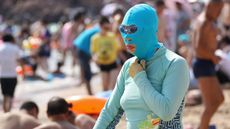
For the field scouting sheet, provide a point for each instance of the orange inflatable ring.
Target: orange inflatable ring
(91, 105)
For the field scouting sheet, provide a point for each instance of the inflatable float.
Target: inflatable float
(90, 105)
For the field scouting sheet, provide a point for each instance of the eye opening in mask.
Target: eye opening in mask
(128, 29)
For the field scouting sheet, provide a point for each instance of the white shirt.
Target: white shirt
(9, 54)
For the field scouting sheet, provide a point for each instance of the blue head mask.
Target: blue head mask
(139, 31)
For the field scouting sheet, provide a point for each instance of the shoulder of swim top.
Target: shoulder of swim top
(173, 56)
(130, 60)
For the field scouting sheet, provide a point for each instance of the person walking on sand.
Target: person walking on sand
(104, 49)
(10, 55)
(205, 44)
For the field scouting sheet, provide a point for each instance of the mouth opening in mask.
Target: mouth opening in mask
(131, 48)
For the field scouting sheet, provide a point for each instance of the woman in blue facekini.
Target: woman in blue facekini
(151, 86)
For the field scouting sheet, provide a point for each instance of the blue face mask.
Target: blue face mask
(139, 31)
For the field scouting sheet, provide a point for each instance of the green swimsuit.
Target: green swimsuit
(153, 99)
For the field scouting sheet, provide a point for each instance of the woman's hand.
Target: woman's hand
(136, 67)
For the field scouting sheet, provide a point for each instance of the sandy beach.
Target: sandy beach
(40, 92)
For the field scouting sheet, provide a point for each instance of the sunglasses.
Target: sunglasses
(128, 29)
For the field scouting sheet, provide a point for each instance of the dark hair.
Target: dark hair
(79, 14)
(57, 105)
(118, 10)
(44, 20)
(159, 3)
(225, 40)
(216, 1)
(8, 38)
(29, 105)
(103, 20)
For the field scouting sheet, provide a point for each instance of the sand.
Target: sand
(29, 91)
